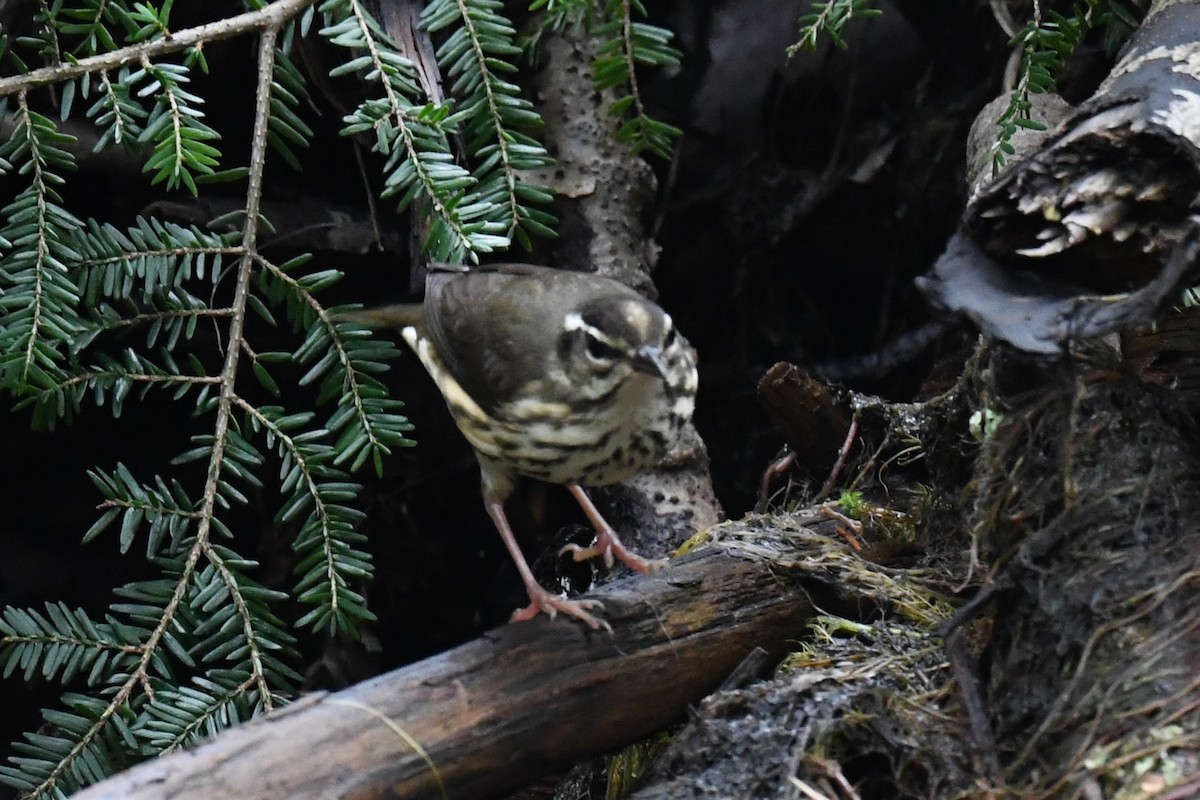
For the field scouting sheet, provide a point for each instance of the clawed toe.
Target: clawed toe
(579, 554)
(542, 602)
(612, 550)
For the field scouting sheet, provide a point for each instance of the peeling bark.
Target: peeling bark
(1088, 233)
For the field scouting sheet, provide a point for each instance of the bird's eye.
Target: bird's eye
(600, 350)
(670, 340)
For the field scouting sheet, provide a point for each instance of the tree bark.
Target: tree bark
(1076, 661)
(1091, 228)
(499, 711)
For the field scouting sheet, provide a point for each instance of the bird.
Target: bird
(565, 377)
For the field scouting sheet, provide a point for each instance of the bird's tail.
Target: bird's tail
(396, 316)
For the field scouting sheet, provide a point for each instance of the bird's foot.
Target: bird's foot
(607, 546)
(542, 601)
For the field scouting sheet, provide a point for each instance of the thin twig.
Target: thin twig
(271, 16)
(831, 481)
(965, 669)
(237, 321)
(780, 466)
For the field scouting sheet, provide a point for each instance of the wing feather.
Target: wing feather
(497, 327)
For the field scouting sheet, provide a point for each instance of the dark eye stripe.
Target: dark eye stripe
(600, 349)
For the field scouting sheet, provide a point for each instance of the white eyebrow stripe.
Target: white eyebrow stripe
(574, 322)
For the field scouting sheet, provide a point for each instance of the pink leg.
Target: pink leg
(540, 600)
(606, 544)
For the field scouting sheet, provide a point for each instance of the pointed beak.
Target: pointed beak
(650, 360)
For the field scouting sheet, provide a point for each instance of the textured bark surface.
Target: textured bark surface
(803, 409)
(1100, 205)
(605, 190)
(502, 710)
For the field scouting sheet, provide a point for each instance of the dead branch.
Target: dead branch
(499, 711)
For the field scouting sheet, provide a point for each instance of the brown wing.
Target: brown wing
(497, 327)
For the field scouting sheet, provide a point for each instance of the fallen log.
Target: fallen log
(499, 711)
